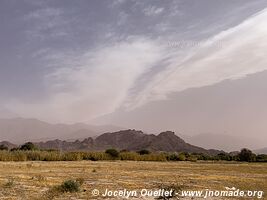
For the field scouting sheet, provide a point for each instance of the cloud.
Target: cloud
(153, 10)
(44, 13)
(96, 84)
(117, 2)
(132, 72)
(46, 23)
(241, 53)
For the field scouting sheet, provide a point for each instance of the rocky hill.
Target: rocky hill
(7, 144)
(131, 140)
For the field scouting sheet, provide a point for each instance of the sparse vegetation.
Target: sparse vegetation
(129, 175)
(112, 154)
(67, 186)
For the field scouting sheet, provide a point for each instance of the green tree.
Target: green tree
(181, 157)
(143, 152)
(3, 147)
(247, 155)
(261, 158)
(29, 146)
(113, 153)
(224, 156)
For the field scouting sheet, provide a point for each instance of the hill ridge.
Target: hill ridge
(131, 140)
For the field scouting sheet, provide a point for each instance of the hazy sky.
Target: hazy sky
(72, 61)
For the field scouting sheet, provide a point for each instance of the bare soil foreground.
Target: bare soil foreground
(36, 180)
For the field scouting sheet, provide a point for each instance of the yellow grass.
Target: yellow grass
(32, 180)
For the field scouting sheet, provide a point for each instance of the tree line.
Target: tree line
(30, 152)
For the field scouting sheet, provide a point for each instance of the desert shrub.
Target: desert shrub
(95, 156)
(10, 183)
(14, 149)
(154, 157)
(3, 147)
(172, 157)
(202, 156)
(18, 156)
(181, 157)
(66, 186)
(113, 153)
(192, 158)
(70, 186)
(129, 156)
(71, 156)
(143, 152)
(5, 156)
(33, 155)
(51, 156)
(261, 158)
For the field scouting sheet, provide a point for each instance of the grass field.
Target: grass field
(34, 180)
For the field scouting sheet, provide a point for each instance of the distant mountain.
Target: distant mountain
(222, 141)
(7, 114)
(129, 140)
(261, 151)
(8, 144)
(20, 130)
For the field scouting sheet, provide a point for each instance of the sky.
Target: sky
(114, 61)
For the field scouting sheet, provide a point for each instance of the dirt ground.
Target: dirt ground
(34, 180)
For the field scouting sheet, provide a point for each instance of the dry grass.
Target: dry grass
(34, 180)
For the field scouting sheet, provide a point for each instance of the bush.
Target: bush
(3, 147)
(113, 153)
(154, 157)
(95, 156)
(10, 183)
(70, 186)
(224, 156)
(143, 152)
(71, 156)
(192, 158)
(129, 156)
(14, 149)
(261, 158)
(29, 146)
(181, 157)
(173, 157)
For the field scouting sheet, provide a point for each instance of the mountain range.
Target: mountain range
(20, 130)
(131, 140)
(261, 151)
